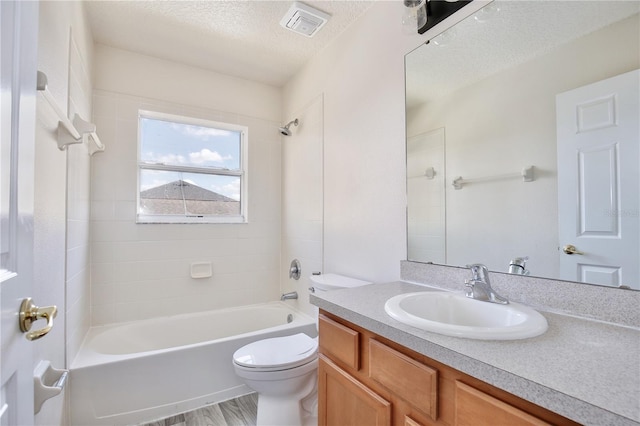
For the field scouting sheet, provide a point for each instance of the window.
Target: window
(190, 170)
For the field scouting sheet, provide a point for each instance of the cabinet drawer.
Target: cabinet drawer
(476, 408)
(341, 342)
(410, 380)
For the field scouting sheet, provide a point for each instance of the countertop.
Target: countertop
(583, 369)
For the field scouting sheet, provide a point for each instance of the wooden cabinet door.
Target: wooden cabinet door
(344, 401)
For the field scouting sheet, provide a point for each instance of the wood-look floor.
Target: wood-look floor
(241, 411)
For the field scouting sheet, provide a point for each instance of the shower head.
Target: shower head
(285, 130)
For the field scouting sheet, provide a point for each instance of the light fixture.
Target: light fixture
(414, 16)
(422, 15)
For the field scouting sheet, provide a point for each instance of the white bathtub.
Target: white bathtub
(142, 371)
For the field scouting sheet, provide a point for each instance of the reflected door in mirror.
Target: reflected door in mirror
(598, 181)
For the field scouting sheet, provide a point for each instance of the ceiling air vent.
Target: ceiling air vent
(304, 19)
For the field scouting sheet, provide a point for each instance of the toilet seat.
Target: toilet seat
(277, 353)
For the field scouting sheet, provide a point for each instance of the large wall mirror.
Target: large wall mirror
(522, 142)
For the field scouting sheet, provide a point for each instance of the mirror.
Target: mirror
(490, 107)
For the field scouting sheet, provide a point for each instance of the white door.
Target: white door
(18, 32)
(599, 182)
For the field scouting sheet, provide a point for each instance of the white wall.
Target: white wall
(361, 78)
(516, 129)
(142, 271)
(61, 231)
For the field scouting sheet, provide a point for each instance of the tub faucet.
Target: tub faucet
(479, 287)
(291, 295)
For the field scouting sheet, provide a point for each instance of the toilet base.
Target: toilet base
(281, 412)
(290, 410)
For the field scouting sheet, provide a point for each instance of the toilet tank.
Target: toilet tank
(324, 282)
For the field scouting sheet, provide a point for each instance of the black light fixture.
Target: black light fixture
(422, 15)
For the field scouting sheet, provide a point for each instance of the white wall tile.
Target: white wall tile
(226, 265)
(102, 188)
(253, 246)
(302, 183)
(104, 294)
(77, 260)
(101, 252)
(104, 105)
(158, 270)
(125, 211)
(125, 272)
(77, 233)
(78, 289)
(102, 273)
(103, 314)
(147, 263)
(102, 210)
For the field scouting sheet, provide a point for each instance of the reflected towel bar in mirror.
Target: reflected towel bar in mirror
(526, 174)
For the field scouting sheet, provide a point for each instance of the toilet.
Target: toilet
(283, 370)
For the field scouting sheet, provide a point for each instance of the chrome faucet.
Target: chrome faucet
(518, 266)
(479, 287)
(291, 295)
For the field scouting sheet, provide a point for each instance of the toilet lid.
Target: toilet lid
(282, 352)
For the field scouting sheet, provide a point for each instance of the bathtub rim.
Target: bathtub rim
(86, 357)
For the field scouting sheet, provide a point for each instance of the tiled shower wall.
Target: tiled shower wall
(78, 205)
(140, 271)
(302, 189)
(363, 143)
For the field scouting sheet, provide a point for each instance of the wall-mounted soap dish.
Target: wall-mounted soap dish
(201, 270)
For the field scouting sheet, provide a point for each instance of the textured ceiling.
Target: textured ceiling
(239, 38)
(517, 32)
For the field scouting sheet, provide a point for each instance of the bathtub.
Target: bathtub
(137, 372)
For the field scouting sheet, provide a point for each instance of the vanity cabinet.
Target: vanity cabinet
(365, 379)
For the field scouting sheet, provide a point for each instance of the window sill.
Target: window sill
(161, 219)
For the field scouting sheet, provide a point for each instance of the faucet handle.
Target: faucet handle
(518, 266)
(479, 271)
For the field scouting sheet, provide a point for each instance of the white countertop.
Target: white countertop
(586, 370)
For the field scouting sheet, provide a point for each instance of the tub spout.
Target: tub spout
(291, 295)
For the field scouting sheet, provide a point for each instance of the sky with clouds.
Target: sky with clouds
(171, 143)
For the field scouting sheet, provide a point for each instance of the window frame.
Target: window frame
(242, 172)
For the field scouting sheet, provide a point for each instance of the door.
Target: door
(18, 55)
(599, 183)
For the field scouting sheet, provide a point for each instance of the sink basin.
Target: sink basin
(454, 314)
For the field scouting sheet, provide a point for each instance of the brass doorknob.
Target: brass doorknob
(30, 313)
(571, 249)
